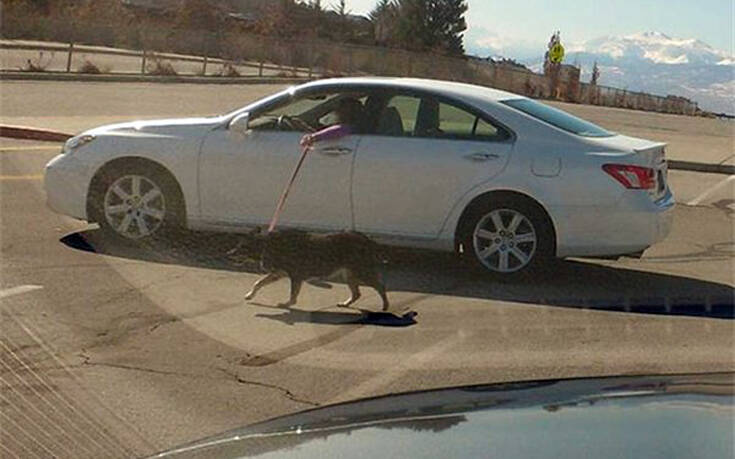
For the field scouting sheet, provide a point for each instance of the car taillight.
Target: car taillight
(632, 177)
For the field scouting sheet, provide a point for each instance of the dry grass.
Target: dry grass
(161, 68)
(38, 64)
(90, 68)
(228, 70)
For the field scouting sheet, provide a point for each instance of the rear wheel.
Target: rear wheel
(507, 237)
(136, 202)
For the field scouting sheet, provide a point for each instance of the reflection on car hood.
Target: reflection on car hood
(174, 126)
(668, 416)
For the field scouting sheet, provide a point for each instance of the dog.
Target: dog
(303, 256)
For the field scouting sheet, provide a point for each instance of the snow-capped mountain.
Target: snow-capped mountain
(656, 63)
(655, 47)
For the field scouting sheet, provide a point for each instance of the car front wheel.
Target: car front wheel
(135, 203)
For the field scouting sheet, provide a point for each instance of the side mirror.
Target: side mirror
(240, 123)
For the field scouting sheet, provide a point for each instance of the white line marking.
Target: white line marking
(18, 290)
(411, 362)
(708, 192)
(29, 148)
(89, 393)
(20, 177)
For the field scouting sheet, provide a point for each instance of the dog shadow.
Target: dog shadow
(293, 316)
(569, 284)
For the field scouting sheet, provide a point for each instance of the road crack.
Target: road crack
(87, 361)
(287, 393)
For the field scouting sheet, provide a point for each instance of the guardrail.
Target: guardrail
(146, 56)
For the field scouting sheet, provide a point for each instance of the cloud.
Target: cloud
(483, 42)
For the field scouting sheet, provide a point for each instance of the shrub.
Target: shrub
(37, 65)
(161, 67)
(229, 70)
(89, 67)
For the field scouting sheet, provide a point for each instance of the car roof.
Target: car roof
(441, 87)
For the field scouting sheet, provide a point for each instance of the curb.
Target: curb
(701, 167)
(27, 133)
(122, 78)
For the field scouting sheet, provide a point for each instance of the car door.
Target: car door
(241, 176)
(422, 157)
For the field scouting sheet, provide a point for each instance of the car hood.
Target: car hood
(165, 127)
(666, 416)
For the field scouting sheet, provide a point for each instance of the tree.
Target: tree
(341, 8)
(383, 18)
(595, 74)
(279, 19)
(427, 25)
(197, 15)
(381, 8)
(342, 13)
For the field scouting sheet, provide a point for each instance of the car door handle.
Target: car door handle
(335, 151)
(482, 156)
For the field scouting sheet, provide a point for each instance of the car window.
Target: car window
(425, 117)
(447, 121)
(454, 122)
(304, 113)
(558, 118)
(486, 130)
(399, 116)
(330, 117)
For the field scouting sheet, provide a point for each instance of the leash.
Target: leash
(287, 189)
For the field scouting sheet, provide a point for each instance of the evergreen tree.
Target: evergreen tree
(595, 74)
(430, 25)
(383, 18)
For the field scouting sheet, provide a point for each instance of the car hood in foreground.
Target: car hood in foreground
(668, 416)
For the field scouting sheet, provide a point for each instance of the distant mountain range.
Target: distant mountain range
(656, 63)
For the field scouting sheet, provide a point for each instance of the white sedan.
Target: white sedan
(432, 164)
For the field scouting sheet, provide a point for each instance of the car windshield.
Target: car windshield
(558, 118)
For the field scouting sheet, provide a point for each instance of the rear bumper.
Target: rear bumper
(633, 225)
(65, 182)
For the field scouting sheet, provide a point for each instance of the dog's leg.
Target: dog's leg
(262, 282)
(354, 290)
(295, 289)
(376, 282)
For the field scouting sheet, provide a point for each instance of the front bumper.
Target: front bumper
(66, 181)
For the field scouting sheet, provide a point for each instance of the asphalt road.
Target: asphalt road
(112, 350)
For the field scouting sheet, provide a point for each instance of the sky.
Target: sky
(521, 27)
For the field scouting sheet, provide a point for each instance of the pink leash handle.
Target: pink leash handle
(287, 189)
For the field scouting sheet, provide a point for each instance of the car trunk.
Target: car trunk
(645, 153)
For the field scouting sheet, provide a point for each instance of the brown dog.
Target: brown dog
(302, 256)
